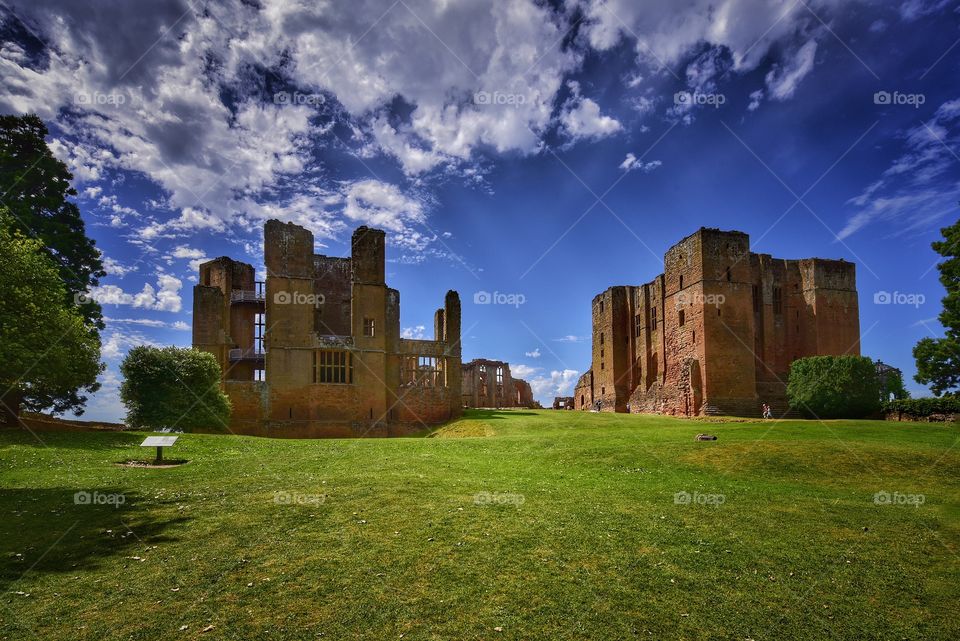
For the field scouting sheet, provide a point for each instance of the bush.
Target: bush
(173, 388)
(923, 407)
(834, 387)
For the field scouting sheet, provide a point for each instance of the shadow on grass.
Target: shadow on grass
(62, 530)
(494, 414)
(99, 440)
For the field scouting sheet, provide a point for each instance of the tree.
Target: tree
(891, 383)
(35, 185)
(834, 386)
(173, 388)
(938, 359)
(48, 353)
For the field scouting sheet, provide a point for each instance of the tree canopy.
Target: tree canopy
(834, 386)
(173, 388)
(35, 186)
(49, 354)
(938, 359)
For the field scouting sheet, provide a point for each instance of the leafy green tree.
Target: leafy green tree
(48, 353)
(892, 384)
(35, 186)
(173, 387)
(938, 359)
(834, 386)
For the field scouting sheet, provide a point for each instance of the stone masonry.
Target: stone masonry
(717, 331)
(315, 350)
(488, 383)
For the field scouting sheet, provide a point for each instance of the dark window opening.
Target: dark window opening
(653, 319)
(756, 298)
(681, 318)
(333, 366)
(729, 275)
(369, 327)
(777, 300)
(681, 281)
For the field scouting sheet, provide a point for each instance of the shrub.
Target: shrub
(923, 407)
(173, 387)
(834, 387)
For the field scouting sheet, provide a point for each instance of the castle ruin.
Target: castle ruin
(717, 331)
(488, 383)
(315, 350)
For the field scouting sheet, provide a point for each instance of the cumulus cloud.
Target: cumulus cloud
(631, 162)
(164, 297)
(559, 383)
(569, 338)
(534, 354)
(417, 332)
(581, 117)
(193, 115)
(519, 370)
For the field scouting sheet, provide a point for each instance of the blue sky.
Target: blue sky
(542, 151)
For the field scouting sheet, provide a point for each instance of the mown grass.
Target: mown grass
(505, 525)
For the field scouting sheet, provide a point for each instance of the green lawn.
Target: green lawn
(507, 525)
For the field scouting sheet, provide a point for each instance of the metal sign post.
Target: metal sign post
(159, 442)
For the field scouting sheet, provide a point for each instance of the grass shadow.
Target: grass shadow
(62, 530)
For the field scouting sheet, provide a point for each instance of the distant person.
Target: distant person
(767, 413)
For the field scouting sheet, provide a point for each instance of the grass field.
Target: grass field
(505, 525)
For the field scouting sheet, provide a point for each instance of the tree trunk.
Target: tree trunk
(10, 406)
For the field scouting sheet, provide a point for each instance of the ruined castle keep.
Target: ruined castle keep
(717, 331)
(315, 350)
(488, 383)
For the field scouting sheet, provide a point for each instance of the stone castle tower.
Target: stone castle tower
(717, 331)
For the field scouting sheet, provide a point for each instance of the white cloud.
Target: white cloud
(149, 322)
(534, 354)
(164, 297)
(783, 79)
(559, 383)
(114, 268)
(631, 162)
(416, 333)
(569, 338)
(581, 117)
(519, 370)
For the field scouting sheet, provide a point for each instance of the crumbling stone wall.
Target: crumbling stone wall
(717, 331)
(333, 362)
(481, 387)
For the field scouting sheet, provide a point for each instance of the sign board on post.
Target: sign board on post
(159, 442)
